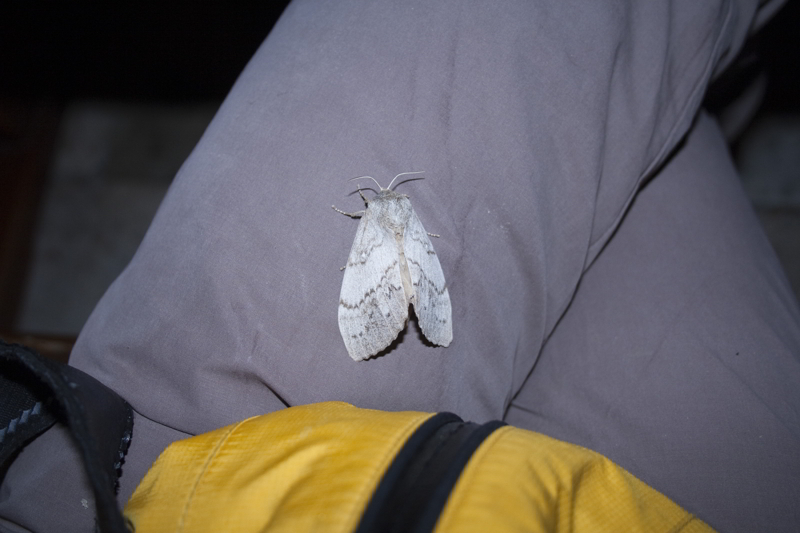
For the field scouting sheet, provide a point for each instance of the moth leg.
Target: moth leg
(432, 234)
(362, 195)
(357, 214)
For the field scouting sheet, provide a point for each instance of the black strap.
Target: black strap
(38, 392)
(415, 488)
(26, 408)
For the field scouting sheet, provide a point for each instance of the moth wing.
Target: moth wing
(431, 299)
(373, 307)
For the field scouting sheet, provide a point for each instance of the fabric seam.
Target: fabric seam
(667, 146)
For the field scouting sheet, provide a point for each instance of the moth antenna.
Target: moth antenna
(401, 174)
(370, 177)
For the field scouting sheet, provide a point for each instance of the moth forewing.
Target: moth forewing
(372, 304)
(432, 299)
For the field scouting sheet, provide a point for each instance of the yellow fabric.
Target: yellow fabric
(307, 468)
(524, 481)
(315, 467)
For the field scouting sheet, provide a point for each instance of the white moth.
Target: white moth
(392, 264)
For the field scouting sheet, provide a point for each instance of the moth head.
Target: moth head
(389, 188)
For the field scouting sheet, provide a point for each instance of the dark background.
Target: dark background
(54, 53)
(128, 50)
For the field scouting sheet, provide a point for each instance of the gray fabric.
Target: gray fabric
(535, 122)
(679, 357)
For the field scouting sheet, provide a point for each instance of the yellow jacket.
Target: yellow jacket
(333, 467)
